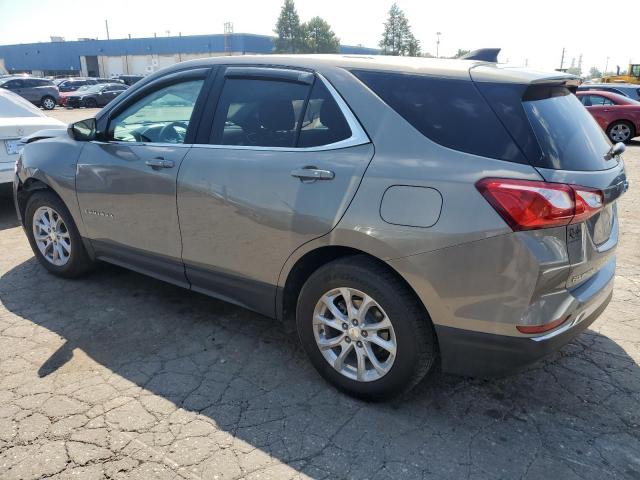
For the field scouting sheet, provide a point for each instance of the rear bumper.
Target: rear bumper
(487, 355)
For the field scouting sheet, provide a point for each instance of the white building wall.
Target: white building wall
(111, 66)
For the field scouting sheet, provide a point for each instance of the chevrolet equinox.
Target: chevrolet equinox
(396, 211)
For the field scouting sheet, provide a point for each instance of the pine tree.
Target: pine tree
(397, 38)
(288, 30)
(318, 37)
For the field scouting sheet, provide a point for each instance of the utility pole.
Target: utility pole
(106, 24)
(562, 59)
(606, 66)
(438, 44)
(228, 31)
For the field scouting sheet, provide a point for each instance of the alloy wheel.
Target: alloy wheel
(620, 132)
(51, 236)
(48, 103)
(354, 334)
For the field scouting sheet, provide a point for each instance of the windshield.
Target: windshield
(12, 105)
(569, 137)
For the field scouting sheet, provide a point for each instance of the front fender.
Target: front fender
(53, 162)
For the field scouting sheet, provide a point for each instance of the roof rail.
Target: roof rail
(483, 54)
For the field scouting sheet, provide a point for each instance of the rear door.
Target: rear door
(284, 157)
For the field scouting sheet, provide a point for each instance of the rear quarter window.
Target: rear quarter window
(450, 112)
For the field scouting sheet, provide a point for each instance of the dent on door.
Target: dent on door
(243, 212)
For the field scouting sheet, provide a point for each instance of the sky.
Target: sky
(529, 34)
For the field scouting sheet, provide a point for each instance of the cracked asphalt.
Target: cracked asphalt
(118, 376)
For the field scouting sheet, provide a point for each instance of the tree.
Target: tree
(397, 38)
(575, 71)
(461, 53)
(595, 73)
(288, 30)
(318, 37)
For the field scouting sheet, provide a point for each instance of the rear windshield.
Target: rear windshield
(448, 111)
(568, 136)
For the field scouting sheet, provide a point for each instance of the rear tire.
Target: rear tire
(336, 339)
(48, 102)
(621, 131)
(58, 245)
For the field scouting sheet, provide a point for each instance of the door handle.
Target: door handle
(312, 174)
(159, 162)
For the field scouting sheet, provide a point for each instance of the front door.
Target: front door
(126, 183)
(284, 159)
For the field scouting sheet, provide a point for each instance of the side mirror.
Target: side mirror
(616, 150)
(83, 131)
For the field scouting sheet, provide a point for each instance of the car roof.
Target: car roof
(484, 71)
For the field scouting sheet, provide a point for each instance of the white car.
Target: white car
(18, 118)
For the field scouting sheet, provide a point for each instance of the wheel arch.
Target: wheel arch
(26, 189)
(309, 262)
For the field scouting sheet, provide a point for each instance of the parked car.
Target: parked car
(18, 118)
(618, 116)
(66, 85)
(38, 91)
(626, 89)
(392, 209)
(95, 95)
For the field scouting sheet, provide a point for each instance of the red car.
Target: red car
(618, 116)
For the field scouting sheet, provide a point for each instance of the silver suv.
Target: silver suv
(394, 210)
(39, 91)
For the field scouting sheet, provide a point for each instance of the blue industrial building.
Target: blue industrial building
(132, 55)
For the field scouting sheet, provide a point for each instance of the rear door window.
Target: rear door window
(599, 101)
(275, 113)
(259, 113)
(323, 122)
(450, 112)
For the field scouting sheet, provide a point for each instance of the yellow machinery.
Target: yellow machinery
(632, 76)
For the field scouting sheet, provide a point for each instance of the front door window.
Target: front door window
(163, 116)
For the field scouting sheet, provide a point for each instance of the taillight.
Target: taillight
(529, 204)
(531, 329)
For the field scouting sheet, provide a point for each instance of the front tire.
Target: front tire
(48, 103)
(54, 237)
(364, 330)
(621, 131)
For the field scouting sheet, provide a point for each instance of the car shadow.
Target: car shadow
(574, 413)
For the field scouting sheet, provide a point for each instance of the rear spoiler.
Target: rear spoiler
(483, 54)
